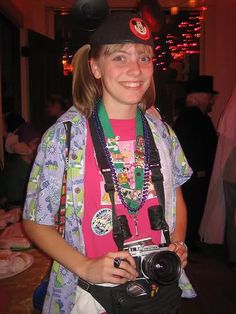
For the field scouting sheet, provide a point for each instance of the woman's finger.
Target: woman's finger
(124, 255)
(119, 263)
(181, 250)
(123, 274)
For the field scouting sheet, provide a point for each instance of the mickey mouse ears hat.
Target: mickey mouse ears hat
(201, 84)
(121, 28)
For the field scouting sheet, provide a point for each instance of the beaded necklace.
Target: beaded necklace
(110, 147)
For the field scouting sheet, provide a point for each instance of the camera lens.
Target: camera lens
(164, 267)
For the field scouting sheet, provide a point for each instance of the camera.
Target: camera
(154, 262)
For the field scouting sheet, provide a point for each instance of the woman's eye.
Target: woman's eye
(119, 58)
(145, 59)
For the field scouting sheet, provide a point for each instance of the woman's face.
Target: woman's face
(125, 74)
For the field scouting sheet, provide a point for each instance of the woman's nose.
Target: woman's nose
(134, 68)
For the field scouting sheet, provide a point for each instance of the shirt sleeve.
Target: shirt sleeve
(181, 168)
(45, 182)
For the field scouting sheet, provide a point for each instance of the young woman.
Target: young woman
(111, 78)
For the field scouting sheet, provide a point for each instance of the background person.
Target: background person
(56, 106)
(229, 185)
(15, 175)
(198, 139)
(11, 123)
(219, 217)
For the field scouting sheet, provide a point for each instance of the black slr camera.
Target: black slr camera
(155, 262)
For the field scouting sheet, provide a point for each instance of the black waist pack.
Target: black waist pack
(119, 300)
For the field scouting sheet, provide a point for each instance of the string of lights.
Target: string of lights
(181, 40)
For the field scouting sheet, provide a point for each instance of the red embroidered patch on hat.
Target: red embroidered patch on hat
(139, 28)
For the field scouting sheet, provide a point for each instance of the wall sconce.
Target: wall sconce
(174, 10)
(192, 3)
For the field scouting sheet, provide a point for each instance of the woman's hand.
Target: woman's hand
(177, 245)
(101, 270)
(21, 148)
(181, 250)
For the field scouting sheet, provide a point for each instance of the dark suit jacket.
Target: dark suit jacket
(198, 138)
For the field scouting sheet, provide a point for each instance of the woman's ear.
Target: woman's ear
(95, 69)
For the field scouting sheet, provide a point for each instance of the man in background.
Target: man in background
(14, 177)
(56, 106)
(198, 139)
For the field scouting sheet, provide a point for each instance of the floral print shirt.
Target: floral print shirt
(44, 191)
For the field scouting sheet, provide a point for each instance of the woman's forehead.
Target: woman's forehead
(139, 48)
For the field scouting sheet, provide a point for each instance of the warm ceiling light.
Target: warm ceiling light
(192, 3)
(64, 11)
(174, 10)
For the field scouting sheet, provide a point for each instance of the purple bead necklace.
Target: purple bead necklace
(102, 139)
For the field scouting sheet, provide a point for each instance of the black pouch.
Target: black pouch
(155, 214)
(116, 300)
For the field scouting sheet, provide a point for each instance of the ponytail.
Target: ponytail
(85, 89)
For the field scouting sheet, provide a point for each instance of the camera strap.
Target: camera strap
(157, 179)
(105, 168)
(109, 184)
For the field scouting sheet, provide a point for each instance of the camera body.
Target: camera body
(154, 262)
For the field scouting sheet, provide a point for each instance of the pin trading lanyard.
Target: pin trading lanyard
(131, 197)
(60, 217)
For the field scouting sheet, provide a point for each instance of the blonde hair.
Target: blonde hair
(86, 90)
(149, 98)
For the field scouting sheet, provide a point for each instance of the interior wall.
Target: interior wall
(218, 58)
(24, 65)
(30, 14)
(1, 123)
(8, 9)
(10, 94)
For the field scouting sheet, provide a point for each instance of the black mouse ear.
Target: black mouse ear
(151, 11)
(88, 14)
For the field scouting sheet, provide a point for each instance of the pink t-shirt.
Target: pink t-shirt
(97, 220)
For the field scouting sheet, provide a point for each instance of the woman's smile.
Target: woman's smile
(130, 84)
